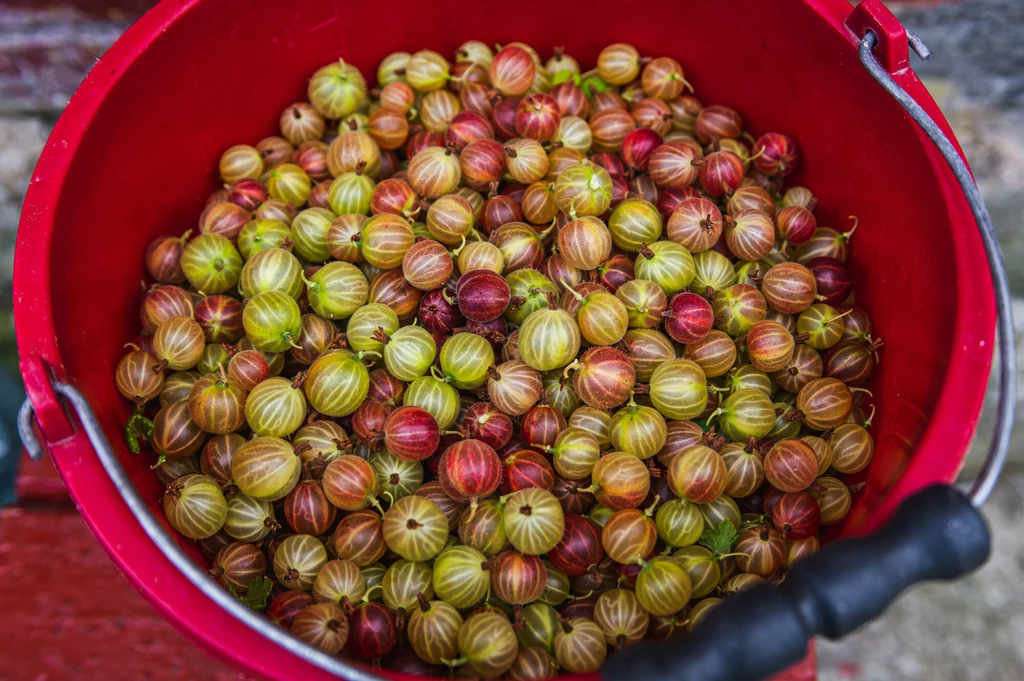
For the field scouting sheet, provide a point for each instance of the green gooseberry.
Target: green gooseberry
(271, 269)
(337, 382)
(350, 193)
(337, 290)
(712, 272)
(272, 321)
(363, 324)
(745, 414)
(211, 263)
(678, 389)
(465, 358)
(667, 264)
(530, 291)
(435, 396)
(309, 234)
(259, 234)
(408, 352)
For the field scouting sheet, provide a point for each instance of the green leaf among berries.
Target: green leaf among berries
(563, 76)
(593, 85)
(258, 593)
(137, 426)
(719, 541)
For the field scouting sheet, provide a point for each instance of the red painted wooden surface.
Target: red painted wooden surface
(67, 613)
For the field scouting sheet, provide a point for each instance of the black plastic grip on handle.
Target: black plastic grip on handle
(935, 534)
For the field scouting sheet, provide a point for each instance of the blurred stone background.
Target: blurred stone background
(972, 630)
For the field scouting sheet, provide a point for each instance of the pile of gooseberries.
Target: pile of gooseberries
(500, 366)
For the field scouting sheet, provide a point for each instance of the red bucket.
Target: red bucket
(135, 153)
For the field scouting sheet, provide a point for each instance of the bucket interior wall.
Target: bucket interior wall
(223, 71)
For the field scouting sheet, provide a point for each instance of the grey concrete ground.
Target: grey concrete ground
(970, 630)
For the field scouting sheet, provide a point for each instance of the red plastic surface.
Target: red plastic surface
(135, 153)
(892, 49)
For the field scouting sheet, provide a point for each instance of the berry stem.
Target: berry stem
(867, 423)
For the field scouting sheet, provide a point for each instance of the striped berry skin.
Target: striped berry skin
(671, 165)
(275, 408)
(411, 433)
(604, 377)
(217, 405)
(577, 451)
(795, 224)
(485, 422)
(698, 474)
(695, 224)
(386, 238)
(163, 303)
(849, 361)
(754, 198)
(549, 339)
(415, 528)
(580, 646)
(718, 122)
(789, 287)
(663, 586)
(541, 425)
(738, 308)
(512, 71)
(715, 353)
(585, 243)
(775, 154)
(359, 537)
(427, 265)
(791, 465)
(337, 383)
(308, 509)
(139, 377)
(482, 295)
(639, 430)
(469, 470)
(796, 515)
(537, 117)
(769, 346)
(679, 389)
(579, 548)
(749, 234)
(721, 173)
(533, 520)
(689, 318)
(518, 579)
(482, 162)
(745, 414)
(337, 290)
(824, 403)
(621, 480)
(371, 631)
(266, 468)
(393, 196)
(514, 387)
(434, 172)
(638, 147)
(526, 468)
(629, 534)
(350, 483)
(602, 318)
